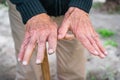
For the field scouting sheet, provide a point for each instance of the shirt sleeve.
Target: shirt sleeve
(81, 4)
(28, 8)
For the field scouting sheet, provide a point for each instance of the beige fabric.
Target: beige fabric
(70, 56)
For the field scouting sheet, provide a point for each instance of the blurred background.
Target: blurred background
(105, 16)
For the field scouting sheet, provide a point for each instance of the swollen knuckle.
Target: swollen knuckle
(92, 42)
(31, 43)
(96, 35)
(89, 35)
(54, 36)
(41, 41)
(82, 39)
(81, 36)
(54, 29)
(96, 39)
(41, 45)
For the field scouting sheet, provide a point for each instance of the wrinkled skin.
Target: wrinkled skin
(41, 29)
(79, 23)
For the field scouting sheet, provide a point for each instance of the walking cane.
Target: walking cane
(45, 64)
(45, 67)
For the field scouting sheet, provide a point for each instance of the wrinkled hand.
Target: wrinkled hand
(79, 23)
(39, 29)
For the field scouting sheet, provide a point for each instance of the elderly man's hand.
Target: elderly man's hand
(39, 29)
(79, 23)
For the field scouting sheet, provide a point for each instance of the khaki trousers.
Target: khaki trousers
(70, 54)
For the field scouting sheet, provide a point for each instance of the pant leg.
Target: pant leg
(32, 71)
(70, 59)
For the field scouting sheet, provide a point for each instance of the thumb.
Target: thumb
(63, 29)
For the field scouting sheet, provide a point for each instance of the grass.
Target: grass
(93, 78)
(3, 4)
(105, 33)
(117, 10)
(110, 74)
(111, 43)
(97, 5)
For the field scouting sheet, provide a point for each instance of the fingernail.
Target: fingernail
(19, 59)
(103, 56)
(96, 53)
(24, 63)
(106, 52)
(38, 61)
(50, 51)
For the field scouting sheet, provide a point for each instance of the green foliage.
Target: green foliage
(111, 43)
(3, 2)
(92, 78)
(3, 6)
(105, 33)
(110, 74)
(97, 5)
(116, 10)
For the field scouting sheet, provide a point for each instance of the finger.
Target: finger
(29, 49)
(23, 47)
(96, 39)
(93, 43)
(69, 36)
(100, 45)
(41, 49)
(87, 45)
(52, 42)
(63, 29)
(91, 30)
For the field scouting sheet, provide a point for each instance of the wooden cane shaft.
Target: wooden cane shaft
(45, 68)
